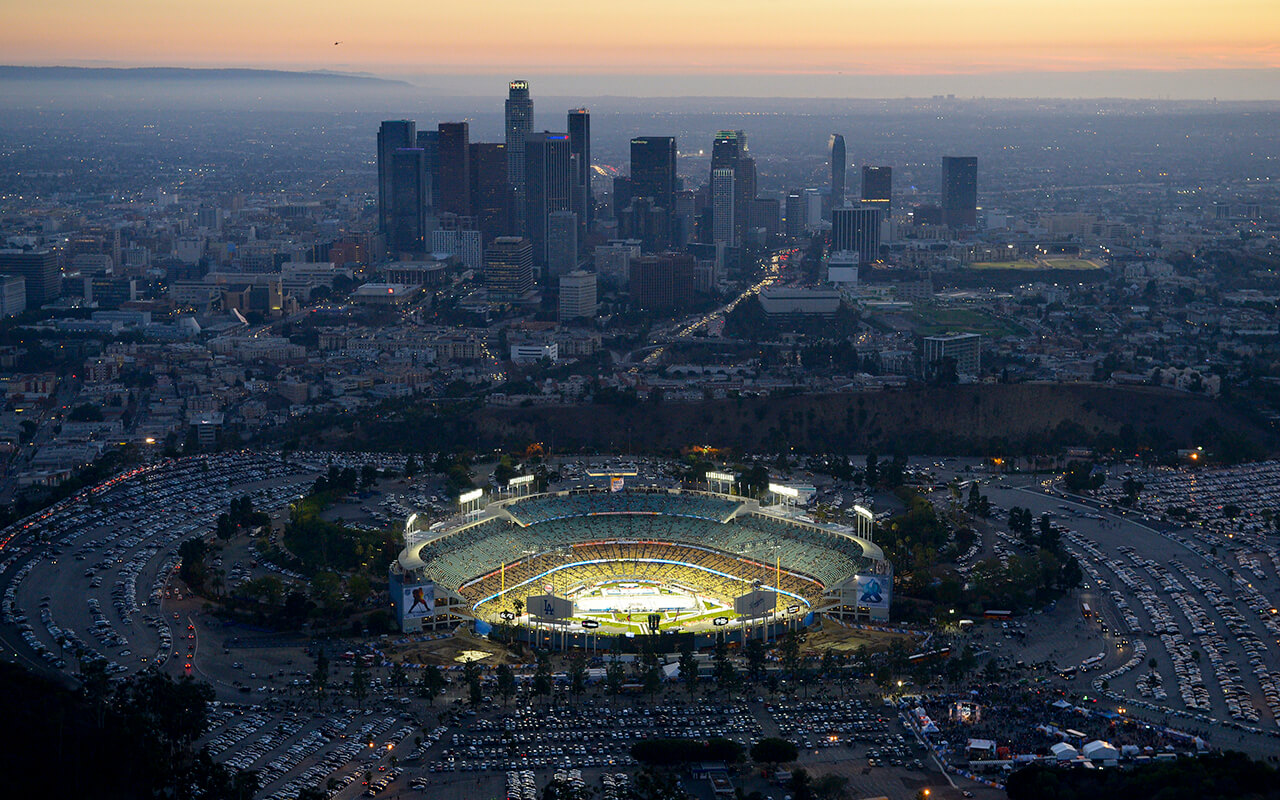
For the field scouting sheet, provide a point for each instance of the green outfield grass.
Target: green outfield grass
(936, 321)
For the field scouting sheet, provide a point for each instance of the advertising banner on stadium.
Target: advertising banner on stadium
(418, 601)
(548, 606)
(873, 590)
(755, 604)
(615, 484)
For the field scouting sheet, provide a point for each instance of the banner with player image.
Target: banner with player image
(418, 601)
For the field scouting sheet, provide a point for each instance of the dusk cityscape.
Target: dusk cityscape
(765, 401)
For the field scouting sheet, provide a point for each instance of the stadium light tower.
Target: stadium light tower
(866, 523)
(717, 479)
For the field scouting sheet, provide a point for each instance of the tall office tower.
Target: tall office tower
(519, 113)
(429, 143)
(960, 191)
(40, 270)
(653, 169)
(562, 244)
(744, 193)
(577, 295)
(13, 295)
(548, 176)
(393, 134)
(856, 229)
(796, 214)
(877, 188)
(410, 219)
(964, 349)
(682, 219)
(662, 282)
(729, 151)
(490, 192)
(726, 149)
(508, 267)
(653, 191)
(580, 147)
(621, 195)
(453, 173)
(722, 210)
(839, 164)
(613, 262)
(766, 214)
(457, 237)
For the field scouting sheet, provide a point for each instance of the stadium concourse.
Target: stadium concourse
(580, 565)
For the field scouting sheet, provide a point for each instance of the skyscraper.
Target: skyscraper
(429, 142)
(856, 229)
(580, 147)
(508, 267)
(577, 295)
(877, 187)
(653, 169)
(722, 206)
(453, 171)
(960, 191)
(490, 192)
(797, 218)
(839, 164)
(519, 114)
(410, 205)
(548, 176)
(726, 148)
(562, 244)
(40, 270)
(662, 282)
(392, 135)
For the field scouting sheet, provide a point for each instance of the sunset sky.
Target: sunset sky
(797, 37)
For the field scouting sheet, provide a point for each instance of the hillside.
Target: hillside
(988, 419)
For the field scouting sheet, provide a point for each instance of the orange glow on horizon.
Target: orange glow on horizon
(666, 37)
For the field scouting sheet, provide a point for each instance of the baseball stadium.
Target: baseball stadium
(597, 563)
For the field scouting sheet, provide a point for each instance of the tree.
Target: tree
(325, 588)
(431, 682)
(398, 679)
(830, 787)
(320, 678)
(722, 668)
(411, 467)
(577, 673)
(614, 674)
(872, 473)
(225, 527)
(688, 670)
(471, 676)
(542, 675)
(773, 751)
(368, 475)
(359, 587)
(359, 683)
(755, 652)
(506, 682)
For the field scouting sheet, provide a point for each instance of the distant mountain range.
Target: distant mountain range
(184, 74)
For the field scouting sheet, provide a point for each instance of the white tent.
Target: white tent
(1100, 751)
(1064, 752)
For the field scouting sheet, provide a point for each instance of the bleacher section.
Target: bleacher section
(624, 526)
(545, 508)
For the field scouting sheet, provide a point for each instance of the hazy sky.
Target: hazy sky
(650, 37)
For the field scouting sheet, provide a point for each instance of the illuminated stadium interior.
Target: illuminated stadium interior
(620, 556)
